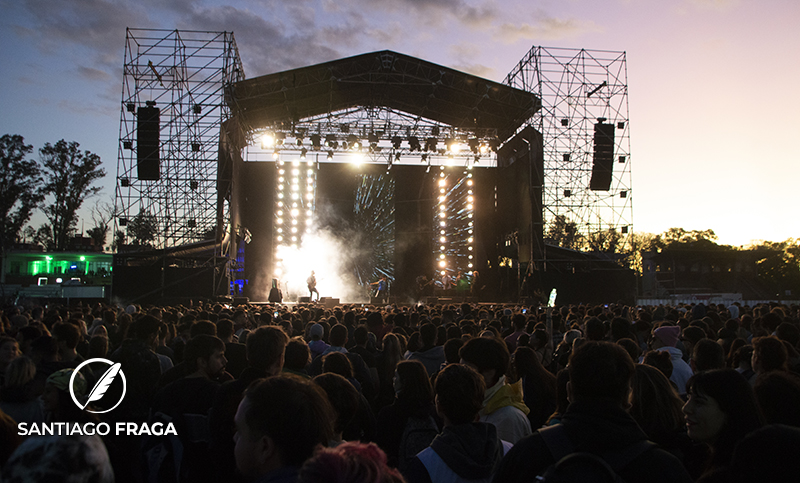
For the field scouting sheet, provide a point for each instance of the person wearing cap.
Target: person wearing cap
(665, 338)
(57, 401)
(316, 344)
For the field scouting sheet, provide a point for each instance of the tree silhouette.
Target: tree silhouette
(68, 176)
(20, 192)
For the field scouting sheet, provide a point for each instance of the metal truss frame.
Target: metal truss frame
(578, 87)
(383, 135)
(187, 75)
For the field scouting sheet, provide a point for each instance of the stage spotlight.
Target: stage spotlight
(330, 155)
(372, 138)
(267, 140)
(397, 157)
(280, 138)
(299, 141)
(303, 153)
(397, 142)
(494, 143)
(276, 154)
(424, 159)
(315, 141)
(329, 140)
(413, 143)
(442, 264)
(473, 145)
(352, 139)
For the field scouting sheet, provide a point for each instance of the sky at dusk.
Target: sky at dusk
(714, 85)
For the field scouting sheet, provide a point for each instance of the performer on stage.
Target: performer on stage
(312, 286)
(424, 287)
(447, 282)
(476, 288)
(275, 295)
(383, 289)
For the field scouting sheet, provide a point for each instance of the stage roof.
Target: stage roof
(383, 79)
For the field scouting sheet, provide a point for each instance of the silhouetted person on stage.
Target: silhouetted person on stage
(312, 286)
(275, 295)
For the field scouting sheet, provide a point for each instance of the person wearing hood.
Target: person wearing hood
(503, 404)
(430, 355)
(665, 338)
(467, 450)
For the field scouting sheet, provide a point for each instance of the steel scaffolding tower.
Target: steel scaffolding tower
(578, 88)
(186, 75)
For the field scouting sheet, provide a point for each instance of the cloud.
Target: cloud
(547, 28)
(91, 73)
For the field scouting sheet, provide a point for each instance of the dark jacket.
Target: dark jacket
(472, 451)
(599, 427)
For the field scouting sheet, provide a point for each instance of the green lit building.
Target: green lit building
(26, 269)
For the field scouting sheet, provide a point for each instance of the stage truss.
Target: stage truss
(186, 74)
(577, 88)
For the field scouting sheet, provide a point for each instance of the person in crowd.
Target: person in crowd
(412, 407)
(707, 355)
(519, 321)
(721, 410)
(235, 352)
(386, 363)
(562, 378)
(142, 369)
(297, 357)
(769, 354)
(316, 344)
(467, 449)
(503, 403)
(17, 396)
(656, 407)
(344, 399)
(68, 336)
(352, 462)
(430, 355)
(665, 338)
(595, 422)
(279, 424)
(778, 394)
(266, 348)
(60, 458)
(538, 386)
(9, 350)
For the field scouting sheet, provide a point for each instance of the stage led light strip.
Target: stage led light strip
(294, 206)
(454, 218)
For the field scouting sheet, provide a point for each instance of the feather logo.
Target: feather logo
(101, 387)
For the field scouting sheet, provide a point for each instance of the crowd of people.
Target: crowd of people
(447, 393)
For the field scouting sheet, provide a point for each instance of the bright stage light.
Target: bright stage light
(294, 238)
(278, 272)
(280, 180)
(279, 221)
(309, 196)
(281, 171)
(469, 240)
(280, 238)
(470, 199)
(280, 195)
(295, 212)
(469, 265)
(442, 198)
(303, 153)
(470, 257)
(441, 223)
(308, 221)
(442, 182)
(442, 239)
(442, 264)
(441, 191)
(442, 248)
(308, 213)
(470, 248)
(280, 230)
(279, 213)
(267, 140)
(294, 229)
(295, 187)
(294, 222)
(441, 256)
(442, 232)
(295, 172)
(469, 207)
(276, 154)
(442, 215)
(295, 197)
(443, 272)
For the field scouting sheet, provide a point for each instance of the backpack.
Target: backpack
(583, 466)
(417, 435)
